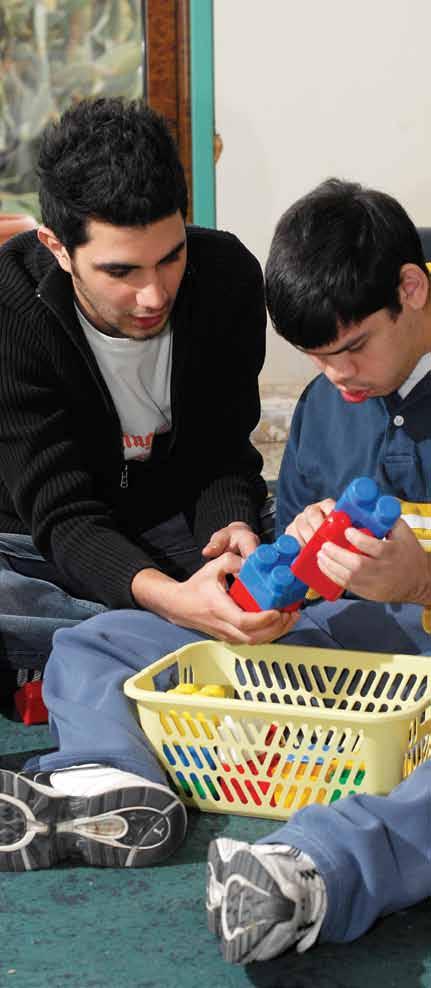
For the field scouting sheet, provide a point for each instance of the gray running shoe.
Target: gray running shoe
(262, 899)
(120, 828)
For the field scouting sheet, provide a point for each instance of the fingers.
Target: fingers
(367, 544)
(326, 506)
(335, 571)
(262, 626)
(306, 524)
(236, 537)
(245, 542)
(217, 544)
(344, 567)
(276, 628)
(203, 602)
(226, 564)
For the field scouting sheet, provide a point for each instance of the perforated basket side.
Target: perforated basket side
(270, 767)
(268, 753)
(330, 679)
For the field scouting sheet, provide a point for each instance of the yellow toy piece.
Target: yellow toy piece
(426, 620)
(211, 689)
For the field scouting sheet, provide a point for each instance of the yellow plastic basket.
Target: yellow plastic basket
(294, 726)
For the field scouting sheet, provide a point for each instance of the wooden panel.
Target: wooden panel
(167, 40)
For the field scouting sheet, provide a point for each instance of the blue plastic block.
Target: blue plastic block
(267, 576)
(367, 508)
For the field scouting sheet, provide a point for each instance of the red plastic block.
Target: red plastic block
(246, 601)
(30, 705)
(306, 567)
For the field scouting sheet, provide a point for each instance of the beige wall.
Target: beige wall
(312, 89)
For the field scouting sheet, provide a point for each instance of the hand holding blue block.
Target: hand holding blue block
(266, 580)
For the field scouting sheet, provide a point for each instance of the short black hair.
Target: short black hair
(108, 159)
(335, 258)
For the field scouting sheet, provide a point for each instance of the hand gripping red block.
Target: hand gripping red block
(306, 567)
(360, 506)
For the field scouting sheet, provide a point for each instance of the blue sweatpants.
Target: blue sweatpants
(373, 852)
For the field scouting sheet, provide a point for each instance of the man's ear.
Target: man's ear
(49, 240)
(414, 286)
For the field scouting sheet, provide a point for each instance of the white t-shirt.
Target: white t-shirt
(138, 376)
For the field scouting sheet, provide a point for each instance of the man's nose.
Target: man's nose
(152, 295)
(340, 369)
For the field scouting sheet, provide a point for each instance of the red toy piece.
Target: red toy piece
(306, 567)
(30, 705)
(246, 601)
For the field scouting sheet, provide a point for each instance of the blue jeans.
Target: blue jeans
(33, 603)
(373, 852)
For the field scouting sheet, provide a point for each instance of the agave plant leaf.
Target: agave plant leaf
(75, 76)
(118, 85)
(53, 51)
(37, 109)
(22, 202)
(120, 60)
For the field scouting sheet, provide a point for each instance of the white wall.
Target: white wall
(306, 90)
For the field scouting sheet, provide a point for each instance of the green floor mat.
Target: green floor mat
(78, 927)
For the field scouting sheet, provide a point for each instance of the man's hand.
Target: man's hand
(394, 570)
(202, 602)
(306, 524)
(236, 537)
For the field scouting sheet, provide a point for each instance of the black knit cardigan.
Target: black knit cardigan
(62, 469)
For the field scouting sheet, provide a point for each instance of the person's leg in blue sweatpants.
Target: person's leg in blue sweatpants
(92, 720)
(111, 806)
(330, 870)
(327, 874)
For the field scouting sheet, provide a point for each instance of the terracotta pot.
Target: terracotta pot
(11, 223)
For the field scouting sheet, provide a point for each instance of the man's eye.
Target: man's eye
(171, 258)
(117, 272)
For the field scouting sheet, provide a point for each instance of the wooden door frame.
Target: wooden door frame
(178, 82)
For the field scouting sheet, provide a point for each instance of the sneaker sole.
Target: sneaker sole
(244, 904)
(38, 829)
(215, 887)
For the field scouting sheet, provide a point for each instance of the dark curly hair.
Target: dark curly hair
(335, 258)
(112, 160)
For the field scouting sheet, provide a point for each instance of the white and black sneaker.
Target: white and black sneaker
(262, 899)
(128, 827)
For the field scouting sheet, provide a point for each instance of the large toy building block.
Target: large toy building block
(266, 580)
(29, 703)
(306, 565)
(367, 508)
(360, 506)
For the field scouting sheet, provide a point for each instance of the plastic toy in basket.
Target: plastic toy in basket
(289, 725)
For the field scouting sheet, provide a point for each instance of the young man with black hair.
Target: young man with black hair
(347, 283)
(130, 349)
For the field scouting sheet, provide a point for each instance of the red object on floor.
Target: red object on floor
(30, 705)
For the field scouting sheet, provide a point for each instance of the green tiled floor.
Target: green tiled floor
(89, 928)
